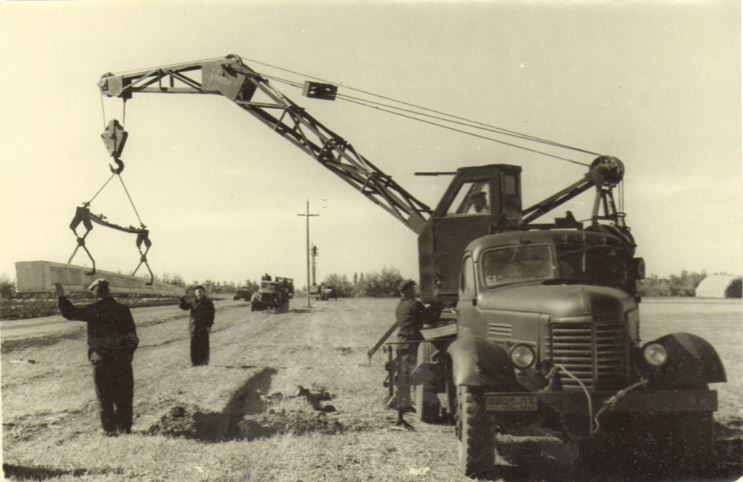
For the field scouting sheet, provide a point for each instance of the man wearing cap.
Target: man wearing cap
(479, 202)
(200, 324)
(410, 315)
(112, 340)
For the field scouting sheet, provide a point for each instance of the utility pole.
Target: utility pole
(307, 222)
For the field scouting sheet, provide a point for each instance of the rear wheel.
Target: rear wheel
(476, 432)
(427, 405)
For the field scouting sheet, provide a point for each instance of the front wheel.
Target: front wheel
(476, 432)
(684, 442)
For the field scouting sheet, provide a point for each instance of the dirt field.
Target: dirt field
(286, 397)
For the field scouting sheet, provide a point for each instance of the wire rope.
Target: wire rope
(503, 130)
(462, 131)
(130, 199)
(101, 189)
(472, 124)
(103, 112)
(384, 108)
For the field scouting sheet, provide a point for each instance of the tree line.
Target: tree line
(684, 284)
(385, 282)
(376, 284)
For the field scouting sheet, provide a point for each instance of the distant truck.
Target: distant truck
(243, 294)
(323, 292)
(273, 294)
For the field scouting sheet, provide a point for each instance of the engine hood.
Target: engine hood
(560, 302)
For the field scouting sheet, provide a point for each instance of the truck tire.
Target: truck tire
(427, 405)
(476, 432)
(684, 442)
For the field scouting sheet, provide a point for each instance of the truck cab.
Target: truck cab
(547, 333)
(558, 296)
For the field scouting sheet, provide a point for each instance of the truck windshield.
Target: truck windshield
(268, 286)
(593, 264)
(516, 264)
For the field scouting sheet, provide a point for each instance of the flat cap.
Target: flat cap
(405, 284)
(99, 281)
(199, 287)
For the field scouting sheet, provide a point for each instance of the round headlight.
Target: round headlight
(522, 356)
(655, 354)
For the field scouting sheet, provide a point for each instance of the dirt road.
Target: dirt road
(286, 397)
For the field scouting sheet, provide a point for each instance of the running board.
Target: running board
(41, 276)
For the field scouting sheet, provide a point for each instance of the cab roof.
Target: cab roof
(555, 236)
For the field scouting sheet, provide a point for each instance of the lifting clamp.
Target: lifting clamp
(114, 137)
(86, 218)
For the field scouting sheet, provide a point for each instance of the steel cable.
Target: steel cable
(130, 199)
(500, 129)
(461, 131)
(472, 124)
(101, 189)
(376, 105)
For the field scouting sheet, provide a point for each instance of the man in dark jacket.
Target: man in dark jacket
(200, 324)
(112, 340)
(410, 314)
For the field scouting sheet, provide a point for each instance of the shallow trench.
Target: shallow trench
(249, 415)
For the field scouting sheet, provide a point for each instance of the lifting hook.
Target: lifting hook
(119, 166)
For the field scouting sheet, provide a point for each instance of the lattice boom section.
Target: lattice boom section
(40, 276)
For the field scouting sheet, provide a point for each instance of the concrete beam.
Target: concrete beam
(40, 276)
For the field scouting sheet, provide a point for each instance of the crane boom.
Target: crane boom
(232, 78)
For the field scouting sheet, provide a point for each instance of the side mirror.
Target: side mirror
(639, 268)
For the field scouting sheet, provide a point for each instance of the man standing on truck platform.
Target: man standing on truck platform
(410, 315)
(112, 340)
(201, 320)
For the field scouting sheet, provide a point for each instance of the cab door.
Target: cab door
(461, 217)
(468, 313)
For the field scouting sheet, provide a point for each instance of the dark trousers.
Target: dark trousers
(114, 386)
(200, 348)
(407, 353)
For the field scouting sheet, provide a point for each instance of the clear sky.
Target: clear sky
(656, 84)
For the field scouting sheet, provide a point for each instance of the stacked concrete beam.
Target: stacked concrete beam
(41, 276)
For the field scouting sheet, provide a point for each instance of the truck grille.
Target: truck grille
(596, 353)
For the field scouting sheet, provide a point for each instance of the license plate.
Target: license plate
(510, 403)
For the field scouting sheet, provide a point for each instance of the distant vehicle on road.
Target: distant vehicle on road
(243, 294)
(273, 294)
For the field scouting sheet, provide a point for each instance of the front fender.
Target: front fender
(477, 362)
(692, 361)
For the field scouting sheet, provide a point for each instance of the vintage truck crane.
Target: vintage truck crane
(541, 321)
